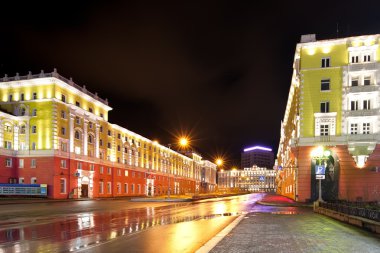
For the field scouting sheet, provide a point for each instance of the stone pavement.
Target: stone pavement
(292, 228)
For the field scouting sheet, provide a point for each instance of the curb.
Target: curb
(217, 238)
(283, 205)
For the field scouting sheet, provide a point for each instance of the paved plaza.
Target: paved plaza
(300, 230)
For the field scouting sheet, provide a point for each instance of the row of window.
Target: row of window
(355, 58)
(354, 105)
(354, 129)
(77, 103)
(8, 145)
(21, 162)
(8, 129)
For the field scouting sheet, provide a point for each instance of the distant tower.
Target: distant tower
(259, 156)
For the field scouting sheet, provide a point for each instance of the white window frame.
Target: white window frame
(62, 186)
(8, 162)
(325, 62)
(33, 163)
(21, 163)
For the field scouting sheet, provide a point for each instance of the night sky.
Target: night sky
(217, 71)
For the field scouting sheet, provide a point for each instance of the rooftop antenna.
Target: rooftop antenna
(337, 30)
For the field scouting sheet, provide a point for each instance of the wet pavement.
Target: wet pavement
(89, 225)
(277, 224)
(280, 229)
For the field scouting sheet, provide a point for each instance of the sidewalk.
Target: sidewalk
(272, 199)
(298, 231)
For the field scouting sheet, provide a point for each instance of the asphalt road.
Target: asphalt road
(117, 225)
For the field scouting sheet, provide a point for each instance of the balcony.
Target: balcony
(361, 113)
(362, 88)
(362, 66)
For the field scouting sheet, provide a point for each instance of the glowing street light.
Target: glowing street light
(183, 142)
(219, 162)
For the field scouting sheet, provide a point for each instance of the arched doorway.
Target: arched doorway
(330, 185)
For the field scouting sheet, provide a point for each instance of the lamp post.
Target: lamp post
(182, 143)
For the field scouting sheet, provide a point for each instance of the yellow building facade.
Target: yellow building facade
(60, 133)
(332, 120)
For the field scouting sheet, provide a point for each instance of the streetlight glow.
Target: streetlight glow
(183, 142)
(219, 161)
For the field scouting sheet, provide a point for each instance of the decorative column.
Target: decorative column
(85, 136)
(97, 140)
(15, 137)
(71, 125)
(27, 135)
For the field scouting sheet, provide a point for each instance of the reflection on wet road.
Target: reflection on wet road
(76, 226)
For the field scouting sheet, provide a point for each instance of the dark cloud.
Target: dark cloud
(218, 70)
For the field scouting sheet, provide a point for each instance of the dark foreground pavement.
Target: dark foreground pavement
(298, 230)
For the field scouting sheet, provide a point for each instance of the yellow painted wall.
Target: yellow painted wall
(311, 76)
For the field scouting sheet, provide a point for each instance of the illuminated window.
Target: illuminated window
(34, 96)
(366, 104)
(101, 187)
(354, 105)
(34, 129)
(324, 130)
(325, 107)
(325, 63)
(7, 128)
(366, 128)
(109, 187)
(8, 162)
(64, 146)
(354, 128)
(126, 173)
(21, 163)
(63, 163)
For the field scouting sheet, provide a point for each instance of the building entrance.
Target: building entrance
(84, 191)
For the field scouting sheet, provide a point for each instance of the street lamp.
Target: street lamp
(182, 143)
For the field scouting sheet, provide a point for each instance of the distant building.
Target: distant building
(259, 156)
(208, 176)
(254, 179)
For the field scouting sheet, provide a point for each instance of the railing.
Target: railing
(23, 190)
(362, 66)
(360, 210)
(58, 76)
